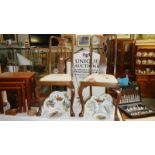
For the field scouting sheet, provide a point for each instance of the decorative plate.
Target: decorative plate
(99, 116)
(138, 61)
(144, 62)
(96, 40)
(151, 54)
(139, 54)
(144, 54)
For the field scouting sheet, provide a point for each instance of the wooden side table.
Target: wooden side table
(27, 77)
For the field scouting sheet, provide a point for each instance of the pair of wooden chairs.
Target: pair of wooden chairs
(58, 77)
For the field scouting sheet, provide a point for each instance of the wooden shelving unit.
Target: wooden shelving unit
(125, 58)
(145, 70)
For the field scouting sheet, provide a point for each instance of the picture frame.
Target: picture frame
(123, 36)
(96, 40)
(67, 37)
(13, 37)
(68, 40)
(83, 40)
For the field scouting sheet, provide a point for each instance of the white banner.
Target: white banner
(81, 68)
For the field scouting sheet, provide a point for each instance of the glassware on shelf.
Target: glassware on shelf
(139, 54)
(148, 70)
(144, 54)
(144, 62)
(150, 54)
(138, 61)
(152, 72)
(149, 62)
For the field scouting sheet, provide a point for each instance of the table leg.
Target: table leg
(118, 92)
(28, 93)
(19, 100)
(23, 99)
(29, 85)
(33, 85)
(72, 100)
(81, 100)
(1, 103)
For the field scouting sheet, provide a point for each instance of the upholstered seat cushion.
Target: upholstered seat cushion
(56, 77)
(106, 78)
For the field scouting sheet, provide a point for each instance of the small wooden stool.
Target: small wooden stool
(18, 93)
(23, 92)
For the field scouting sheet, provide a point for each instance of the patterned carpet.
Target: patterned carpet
(66, 116)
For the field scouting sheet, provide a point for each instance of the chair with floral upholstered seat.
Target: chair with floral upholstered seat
(57, 57)
(100, 79)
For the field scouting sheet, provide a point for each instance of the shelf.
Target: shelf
(145, 57)
(12, 48)
(145, 74)
(145, 65)
(146, 79)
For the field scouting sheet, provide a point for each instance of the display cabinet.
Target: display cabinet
(10, 61)
(145, 70)
(125, 58)
(17, 58)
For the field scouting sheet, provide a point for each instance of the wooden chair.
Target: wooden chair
(37, 100)
(100, 79)
(56, 60)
